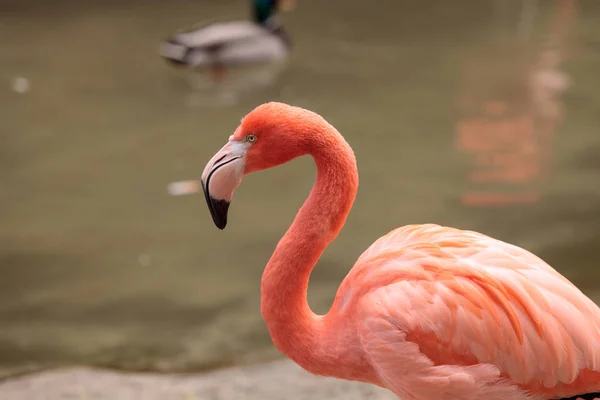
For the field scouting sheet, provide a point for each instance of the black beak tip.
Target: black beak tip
(218, 209)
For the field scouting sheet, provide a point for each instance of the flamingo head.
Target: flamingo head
(270, 135)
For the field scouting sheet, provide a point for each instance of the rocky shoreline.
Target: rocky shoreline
(278, 380)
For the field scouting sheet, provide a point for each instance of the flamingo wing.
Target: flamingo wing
(456, 314)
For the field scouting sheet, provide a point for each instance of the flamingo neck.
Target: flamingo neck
(295, 330)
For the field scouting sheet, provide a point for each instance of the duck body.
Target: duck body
(231, 43)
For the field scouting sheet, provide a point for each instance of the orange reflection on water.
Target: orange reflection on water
(505, 150)
(499, 198)
(508, 134)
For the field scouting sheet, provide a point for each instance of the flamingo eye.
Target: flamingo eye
(251, 138)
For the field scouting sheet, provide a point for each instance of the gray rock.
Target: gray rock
(280, 380)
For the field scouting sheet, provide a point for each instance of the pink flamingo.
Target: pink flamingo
(428, 312)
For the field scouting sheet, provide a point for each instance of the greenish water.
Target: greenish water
(98, 265)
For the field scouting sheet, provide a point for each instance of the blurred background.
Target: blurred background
(479, 114)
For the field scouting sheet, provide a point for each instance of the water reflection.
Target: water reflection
(207, 92)
(510, 112)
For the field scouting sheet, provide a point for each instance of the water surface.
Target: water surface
(482, 115)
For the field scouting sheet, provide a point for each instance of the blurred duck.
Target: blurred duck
(233, 43)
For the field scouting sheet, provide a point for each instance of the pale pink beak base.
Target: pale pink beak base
(221, 176)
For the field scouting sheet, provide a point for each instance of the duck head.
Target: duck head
(264, 10)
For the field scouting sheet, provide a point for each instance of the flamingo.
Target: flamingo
(428, 312)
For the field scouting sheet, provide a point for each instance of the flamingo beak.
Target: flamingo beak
(221, 176)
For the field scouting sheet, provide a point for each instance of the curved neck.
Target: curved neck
(295, 329)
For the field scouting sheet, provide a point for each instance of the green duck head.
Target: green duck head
(264, 10)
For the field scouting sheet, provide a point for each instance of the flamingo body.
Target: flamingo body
(428, 312)
(448, 313)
